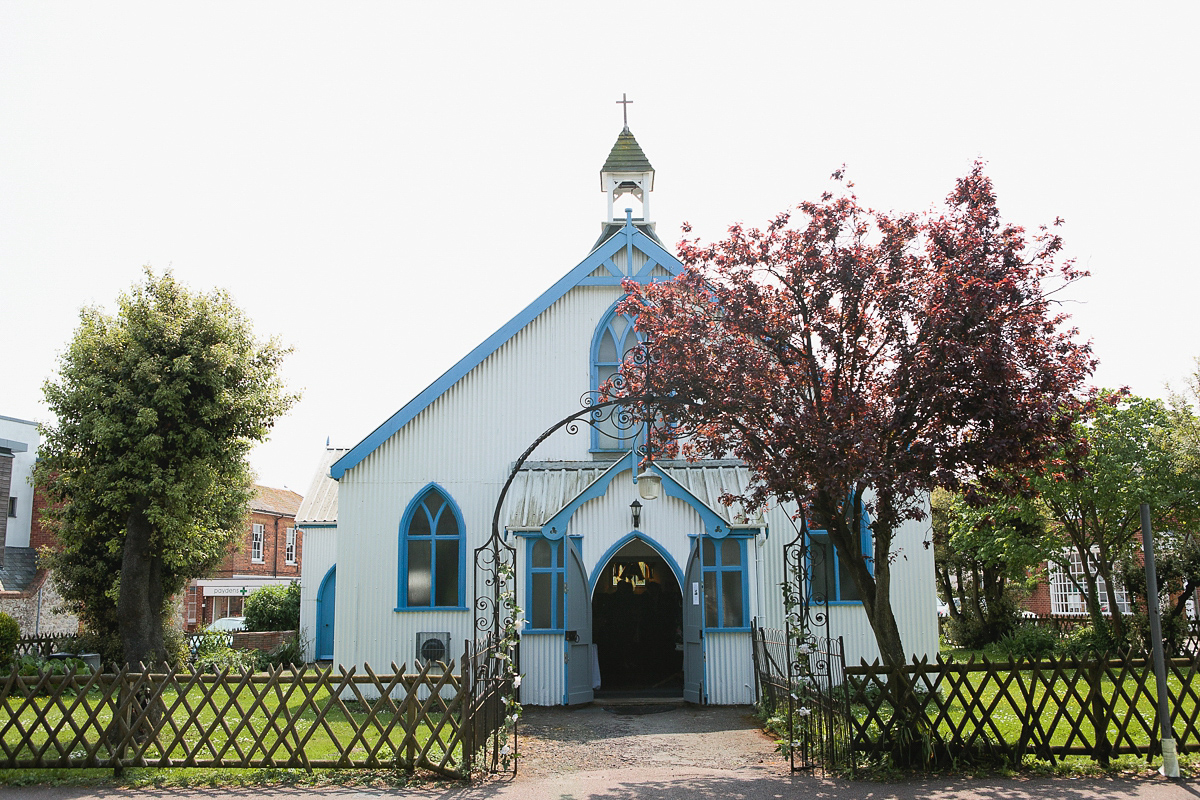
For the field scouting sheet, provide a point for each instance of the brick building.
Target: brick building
(270, 553)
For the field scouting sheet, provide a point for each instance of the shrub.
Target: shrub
(288, 654)
(175, 643)
(1086, 642)
(274, 608)
(10, 634)
(1029, 641)
(214, 654)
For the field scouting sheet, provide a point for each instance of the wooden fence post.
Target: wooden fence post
(1099, 710)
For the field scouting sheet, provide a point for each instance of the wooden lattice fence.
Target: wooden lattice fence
(1046, 708)
(433, 718)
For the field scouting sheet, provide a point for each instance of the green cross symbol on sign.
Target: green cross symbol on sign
(243, 591)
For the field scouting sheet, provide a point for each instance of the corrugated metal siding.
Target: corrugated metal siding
(466, 441)
(320, 550)
(320, 502)
(729, 668)
(542, 665)
(619, 260)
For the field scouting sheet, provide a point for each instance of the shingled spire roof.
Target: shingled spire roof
(627, 156)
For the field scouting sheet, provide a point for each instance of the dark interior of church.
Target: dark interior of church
(637, 625)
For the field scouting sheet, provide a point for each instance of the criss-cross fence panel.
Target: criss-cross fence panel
(308, 718)
(1046, 708)
(44, 646)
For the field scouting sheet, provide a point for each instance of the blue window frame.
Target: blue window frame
(829, 574)
(547, 574)
(431, 553)
(723, 562)
(614, 338)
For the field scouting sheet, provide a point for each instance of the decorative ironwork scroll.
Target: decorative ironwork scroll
(615, 414)
(816, 717)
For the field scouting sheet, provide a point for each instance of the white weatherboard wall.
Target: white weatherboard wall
(21, 487)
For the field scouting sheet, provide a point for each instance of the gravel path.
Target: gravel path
(556, 741)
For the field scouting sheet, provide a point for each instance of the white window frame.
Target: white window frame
(256, 544)
(1065, 597)
(289, 554)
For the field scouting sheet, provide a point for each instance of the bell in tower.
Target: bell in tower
(627, 171)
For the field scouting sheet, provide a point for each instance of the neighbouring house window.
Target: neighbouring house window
(724, 564)
(191, 603)
(12, 506)
(829, 573)
(289, 554)
(614, 338)
(431, 553)
(547, 573)
(1066, 596)
(256, 544)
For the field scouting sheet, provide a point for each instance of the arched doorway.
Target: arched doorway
(637, 623)
(326, 596)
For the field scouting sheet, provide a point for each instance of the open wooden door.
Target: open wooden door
(693, 628)
(578, 645)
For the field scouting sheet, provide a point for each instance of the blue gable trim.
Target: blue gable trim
(604, 559)
(556, 526)
(629, 238)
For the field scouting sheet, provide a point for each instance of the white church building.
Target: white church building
(617, 599)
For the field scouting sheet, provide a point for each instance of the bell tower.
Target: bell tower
(627, 171)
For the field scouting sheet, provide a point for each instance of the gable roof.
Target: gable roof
(275, 501)
(320, 505)
(599, 261)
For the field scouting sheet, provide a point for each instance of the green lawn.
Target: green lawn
(221, 724)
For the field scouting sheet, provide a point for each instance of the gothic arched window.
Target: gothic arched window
(431, 553)
(614, 338)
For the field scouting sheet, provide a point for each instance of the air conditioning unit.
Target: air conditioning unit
(433, 647)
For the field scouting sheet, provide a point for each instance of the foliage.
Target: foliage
(10, 634)
(1185, 424)
(157, 407)
(1119, 457)
(1029, 641)
(274, 608)
(1087, 641)
(175, 647)
(1177, 571)
(984, 552)
(862, 358)
(288, 654)
(215, 655)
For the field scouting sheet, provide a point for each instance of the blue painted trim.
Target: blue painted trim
(556, 526)
(530, 571)
(719, 568)
(632, 236)
(865, 545)
(610, 552)
(427, 609)
(402, 556)
(714, 526)
(330, 573)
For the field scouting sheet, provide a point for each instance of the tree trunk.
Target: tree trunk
(140, 603)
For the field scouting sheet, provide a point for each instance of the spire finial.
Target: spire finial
(625, 109)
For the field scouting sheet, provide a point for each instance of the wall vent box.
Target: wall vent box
(433, 647)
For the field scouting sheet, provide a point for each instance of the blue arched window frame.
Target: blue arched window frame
(842, 584)
(605, 361)
(433, 517)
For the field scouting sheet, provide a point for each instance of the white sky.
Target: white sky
(383, 185)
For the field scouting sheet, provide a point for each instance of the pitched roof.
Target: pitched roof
(626, 155)
(320, 506)
(275, 501)
(660, 265)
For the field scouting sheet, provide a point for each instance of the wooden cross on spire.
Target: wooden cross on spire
(624, 108)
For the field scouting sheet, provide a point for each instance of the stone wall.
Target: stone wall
(23, 606)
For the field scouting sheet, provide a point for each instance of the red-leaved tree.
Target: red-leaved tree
(857, 359)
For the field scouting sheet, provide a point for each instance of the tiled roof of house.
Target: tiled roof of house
(275, 501)
(20, 567)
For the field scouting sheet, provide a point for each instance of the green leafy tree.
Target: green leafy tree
(984, 551)
(156, 408)
(1185, 424)
(274, 608)
(1177, 570)
(1121, 457)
